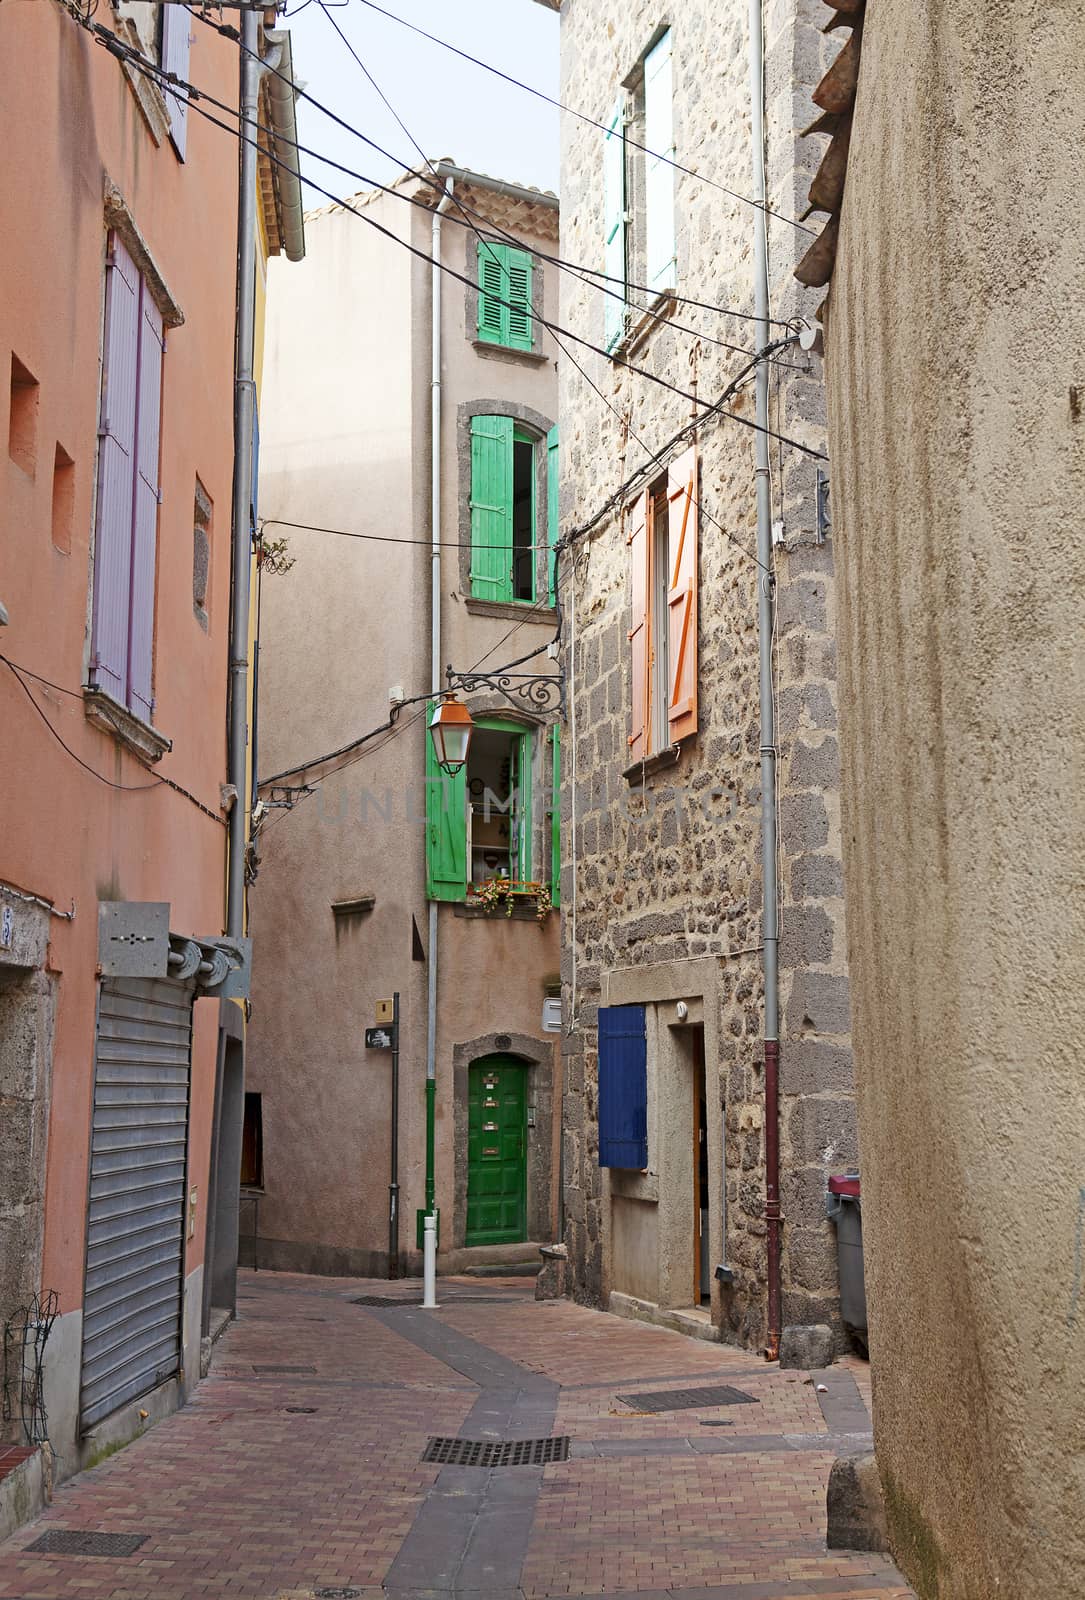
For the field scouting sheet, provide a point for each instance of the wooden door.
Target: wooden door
(496, 1151)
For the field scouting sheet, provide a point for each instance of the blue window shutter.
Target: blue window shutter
(623, 1087)
(658, 173)
(614, 226)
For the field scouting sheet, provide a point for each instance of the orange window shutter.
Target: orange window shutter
(682, 595)
(637, 540)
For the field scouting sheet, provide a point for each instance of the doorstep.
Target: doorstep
(691, 1320)
(492, 1261)
(22, 1486)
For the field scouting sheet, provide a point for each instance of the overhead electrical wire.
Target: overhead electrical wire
(178, 87)
(582, 116)
(575, 267)
(483, 243)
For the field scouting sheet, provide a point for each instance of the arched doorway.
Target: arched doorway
(496, 1151)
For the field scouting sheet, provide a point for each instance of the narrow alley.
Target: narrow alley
(298, 1468)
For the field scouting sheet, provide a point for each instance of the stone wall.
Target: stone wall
(667, 867)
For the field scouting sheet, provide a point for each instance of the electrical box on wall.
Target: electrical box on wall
(551, 1014)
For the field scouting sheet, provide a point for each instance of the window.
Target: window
(623, 1087)
(201, 554)
(23, 417)
(638, 190)
(504, 296)
(503, 510)
(478, 822)
(662, 541)
(252, 1142)
(552, 526)
(555, 815)
(126, 526)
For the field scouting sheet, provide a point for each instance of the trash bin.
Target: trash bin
(844, 1207)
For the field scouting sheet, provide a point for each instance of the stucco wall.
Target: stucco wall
(70, 123)
(346, 422)
(955, 349)
(665, 873)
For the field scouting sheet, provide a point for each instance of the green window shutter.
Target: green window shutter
(446, 829)
(491, 507)
(504, 296)
(555, 817)
(614, 226)
(493, 316)
(519, 294)
(552, 513)
(523, 808)
(659, 174)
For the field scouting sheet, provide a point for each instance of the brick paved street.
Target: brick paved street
(274, 1485)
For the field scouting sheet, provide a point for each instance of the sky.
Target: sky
(451, 107)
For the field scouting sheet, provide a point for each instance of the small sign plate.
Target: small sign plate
(385, 1010)
(378, 1038)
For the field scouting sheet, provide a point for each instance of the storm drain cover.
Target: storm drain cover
(446, 1299)
(82, 1542)
(337, 1594)
(282, 1369)
(497, 1453)
(383, 1300)
(720, 1394)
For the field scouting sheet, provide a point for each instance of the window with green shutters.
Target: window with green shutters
(478, 822)
(504, 296)
(446, 829)
(552, 514)
(503, 511)
(555, 815)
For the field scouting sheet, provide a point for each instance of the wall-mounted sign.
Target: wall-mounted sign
(378, 1038)
(385, 1010)
(7, 928)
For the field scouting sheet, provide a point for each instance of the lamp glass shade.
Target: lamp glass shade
(450, 729)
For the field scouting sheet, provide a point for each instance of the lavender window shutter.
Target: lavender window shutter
(145, 518)
(176, 23)
(116, 471)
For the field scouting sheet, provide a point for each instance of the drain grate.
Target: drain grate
(84, 1542)
(282, 1369)
(497, 1453)
(382, 1300)
(301, 1411)
(446, 1300)
(720, 1394)
(337, 1594)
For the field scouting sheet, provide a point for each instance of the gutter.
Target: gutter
(284, 124)
(479, 180)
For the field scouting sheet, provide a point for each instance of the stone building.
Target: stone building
(665, 1138)
(958, 430)
(376, 879)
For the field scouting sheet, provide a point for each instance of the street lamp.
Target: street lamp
(450, 728)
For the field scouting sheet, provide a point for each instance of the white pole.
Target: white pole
(429, 1262)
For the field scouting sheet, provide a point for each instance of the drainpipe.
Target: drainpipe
(435, 678)
(241, 527)
(766, 601)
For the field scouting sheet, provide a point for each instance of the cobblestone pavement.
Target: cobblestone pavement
(297, 1467)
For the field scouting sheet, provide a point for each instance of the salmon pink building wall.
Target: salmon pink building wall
(94, 822)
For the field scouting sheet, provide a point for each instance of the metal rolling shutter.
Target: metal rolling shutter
(135, 1225)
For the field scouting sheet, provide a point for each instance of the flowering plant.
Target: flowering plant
(506, 891)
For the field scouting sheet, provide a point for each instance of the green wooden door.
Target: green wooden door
(496, 1142)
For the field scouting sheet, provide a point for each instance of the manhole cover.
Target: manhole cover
(337, 1594)
(83, 1542)
(282, 1369)
(382, 1300)
(301, 1411)
(687, 1399)
(497, 1453)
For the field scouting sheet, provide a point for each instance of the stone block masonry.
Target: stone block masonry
(664, 866)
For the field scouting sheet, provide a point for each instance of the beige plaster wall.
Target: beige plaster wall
(346, 435)
(955, 348)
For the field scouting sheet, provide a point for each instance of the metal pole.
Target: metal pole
(241, 520)
(435, 676)
(393, 1185)
(766, 601)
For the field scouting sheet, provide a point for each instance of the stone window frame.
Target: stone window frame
(537, 1057)
(540, 425)
(137, 25)
(536, 356)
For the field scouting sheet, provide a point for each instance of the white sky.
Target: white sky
(450, 106)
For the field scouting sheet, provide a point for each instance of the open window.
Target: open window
(662, 541)
(504, 511)
(479, 820)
